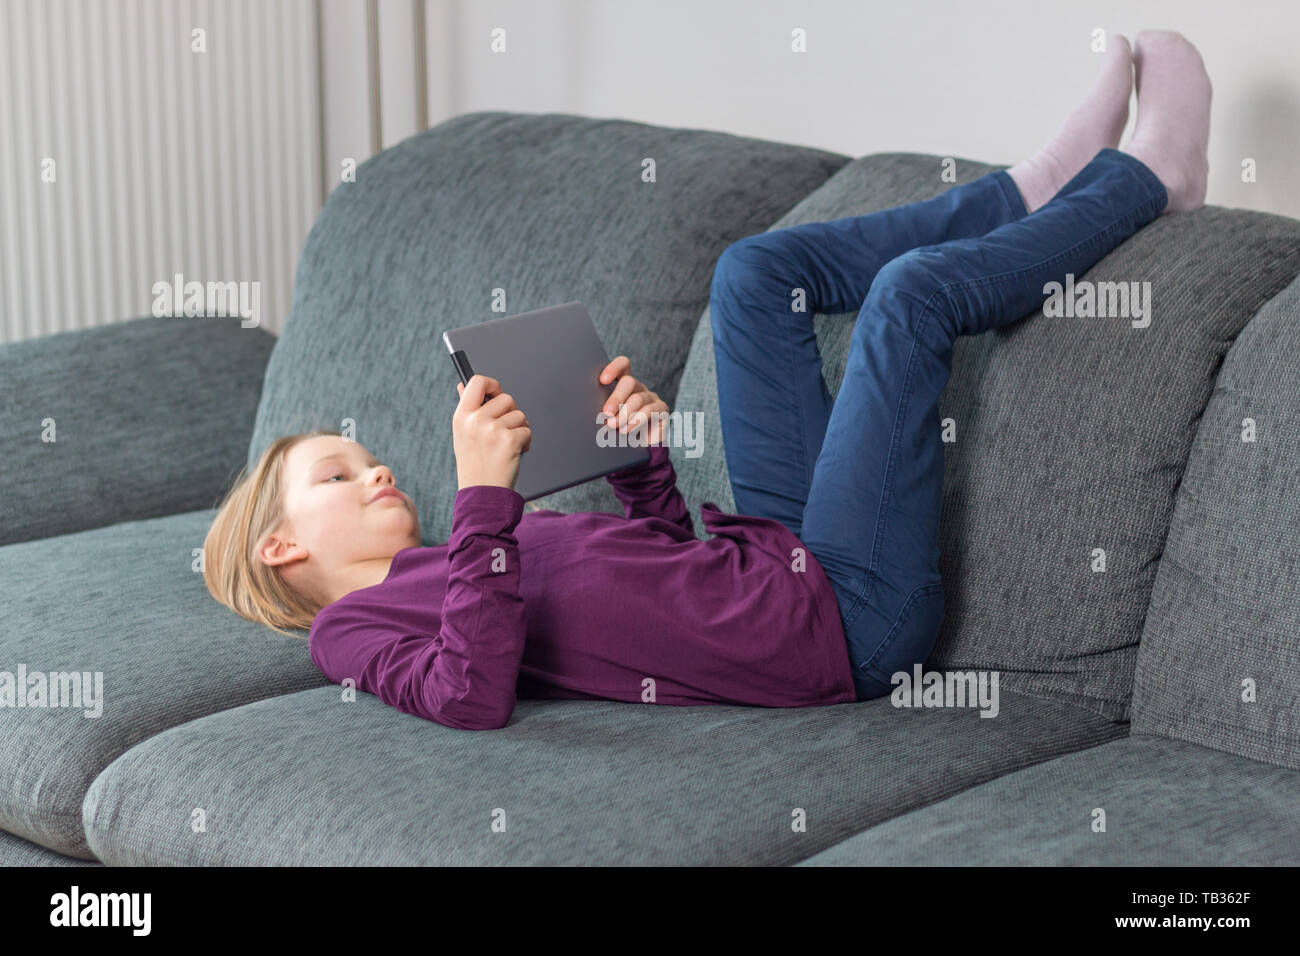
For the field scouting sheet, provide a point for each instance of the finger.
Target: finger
(499, 405)
(627, 385)
(635, 401)
(619, 365)
(652, 410)
(470, 397)
(478, 388)
(514, 418)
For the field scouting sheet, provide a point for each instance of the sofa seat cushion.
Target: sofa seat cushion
(1071, 435)
(517, 211)
(126, 601)
(312, 779)
(15, 851)
(1166, 802)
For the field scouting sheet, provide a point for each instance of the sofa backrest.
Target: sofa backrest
(524, 211)
(1071, 436)
(1219, 662)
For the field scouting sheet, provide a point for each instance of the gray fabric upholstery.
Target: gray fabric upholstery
(547, 207)
(15, 851)
(310, 779)
(152, 417)
(1226, 603)
(123, 601)
(1166, 803)
(1072, 434)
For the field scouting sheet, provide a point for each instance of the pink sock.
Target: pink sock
(1096, 123)
(1173, 123)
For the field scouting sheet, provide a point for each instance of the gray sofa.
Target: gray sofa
(1158, 695)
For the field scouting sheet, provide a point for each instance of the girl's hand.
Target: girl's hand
(490, 436)
(632, 404)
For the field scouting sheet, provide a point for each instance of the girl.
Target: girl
(827, 582)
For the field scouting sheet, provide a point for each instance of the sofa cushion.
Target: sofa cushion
(15, 851)
(1166, 803)
(125, 601)
(1072, 434)
(547, 208)
(1219, 662)
(151, 417)
(310, 779)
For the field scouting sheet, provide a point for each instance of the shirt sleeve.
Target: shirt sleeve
(465, 675)
(650, 490)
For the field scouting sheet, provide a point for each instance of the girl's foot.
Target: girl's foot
(1173, 122)
(1095, 124)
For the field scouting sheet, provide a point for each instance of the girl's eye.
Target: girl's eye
(332, 477)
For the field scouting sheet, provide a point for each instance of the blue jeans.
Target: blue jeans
(859, 479)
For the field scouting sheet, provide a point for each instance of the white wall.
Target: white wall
(982, 80)
(214, 165)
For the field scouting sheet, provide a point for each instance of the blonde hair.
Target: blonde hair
(233, 572)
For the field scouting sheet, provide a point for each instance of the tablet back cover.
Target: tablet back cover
(549, 360)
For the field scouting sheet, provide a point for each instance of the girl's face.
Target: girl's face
(336, 534)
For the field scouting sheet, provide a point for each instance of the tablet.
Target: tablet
(549, 360)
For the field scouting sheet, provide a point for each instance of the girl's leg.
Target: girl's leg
(872, 516)
(773, 400)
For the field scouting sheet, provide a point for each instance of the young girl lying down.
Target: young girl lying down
(538, 604)
(825, 587)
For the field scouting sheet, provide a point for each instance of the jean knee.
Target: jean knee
(748, 263)
(910, 640)
(921, 270)
(910, 289)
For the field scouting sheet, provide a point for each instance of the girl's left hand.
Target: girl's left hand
(633, 403)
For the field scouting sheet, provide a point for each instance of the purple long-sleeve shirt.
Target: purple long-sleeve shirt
(591, 606)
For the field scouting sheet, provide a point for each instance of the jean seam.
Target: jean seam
(807, 462)
(904, 399)
(1011, 195)
(989, 280)
(787, 340)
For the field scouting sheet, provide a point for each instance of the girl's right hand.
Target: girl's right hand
(488, 438)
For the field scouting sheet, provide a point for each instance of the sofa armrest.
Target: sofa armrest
(148, 417)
